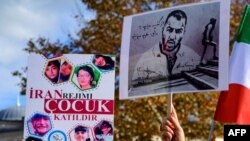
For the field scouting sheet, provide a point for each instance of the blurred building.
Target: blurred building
(12, 118)
(12, 123)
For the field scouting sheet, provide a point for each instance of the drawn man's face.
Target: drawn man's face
(173, 33)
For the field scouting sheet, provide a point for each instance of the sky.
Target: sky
(22, 20)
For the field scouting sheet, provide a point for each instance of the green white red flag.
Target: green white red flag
(234, 105)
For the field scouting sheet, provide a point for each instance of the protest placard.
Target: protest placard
(175, 50)
(70, 97)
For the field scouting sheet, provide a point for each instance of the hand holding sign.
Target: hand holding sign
(171, 128)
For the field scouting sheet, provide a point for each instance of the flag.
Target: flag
(234, 105)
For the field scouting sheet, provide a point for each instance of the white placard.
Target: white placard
(175, 50)
(70, 97)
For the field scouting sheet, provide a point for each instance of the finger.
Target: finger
(174, 112)
(165, 120)
(174, 119)
(170, 124)
(167, 136)
(169, 130)
(167, 127)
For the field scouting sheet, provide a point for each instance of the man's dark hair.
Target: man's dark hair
(38, 116)
(178, 14)
(30, 138)
(81, 128)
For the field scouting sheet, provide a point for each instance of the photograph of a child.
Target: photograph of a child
(81, 133)
(39, 124)
(103, 62)
(86, 77)
(104, 131)
(58, 71)
(52, 70)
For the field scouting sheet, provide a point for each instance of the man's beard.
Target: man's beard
(171, 45)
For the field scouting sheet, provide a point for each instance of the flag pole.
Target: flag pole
(169, 104)
(211, 130)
